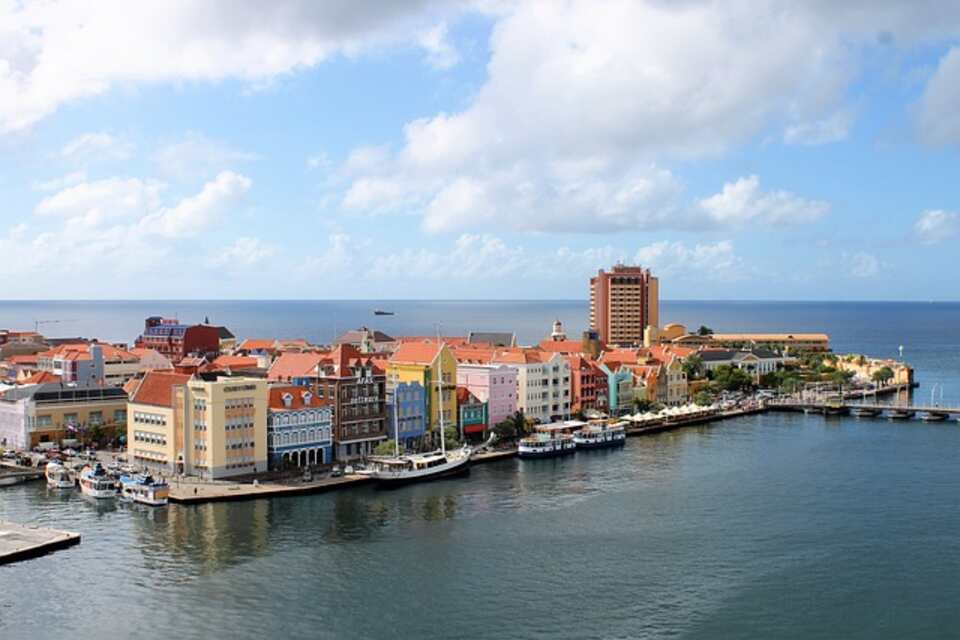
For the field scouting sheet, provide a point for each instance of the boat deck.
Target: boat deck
(21, 542)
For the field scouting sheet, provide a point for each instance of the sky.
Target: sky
(485, 149)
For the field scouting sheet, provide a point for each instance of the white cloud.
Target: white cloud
(712, 261)
(339, 257)
(102, 200)
(195, 154)
(244, 252)
(56, 184)
(96, 146)
(441, 54)
(52, 53)
(939, 108)
(196, 213)
(864, 265)
(471, 257)
(936, 226)
(582, 107)
(742, 201)
(832, 128)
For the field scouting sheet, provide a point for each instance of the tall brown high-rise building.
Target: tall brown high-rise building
(623, 302)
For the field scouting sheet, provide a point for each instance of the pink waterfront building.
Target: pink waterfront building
(491, 383)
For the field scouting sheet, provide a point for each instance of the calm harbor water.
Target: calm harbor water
(777, 526)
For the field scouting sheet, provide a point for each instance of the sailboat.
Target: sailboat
(419, 467)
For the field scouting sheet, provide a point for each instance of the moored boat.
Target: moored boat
(864, 412)
(145, 489)
(900, 414)
(58, 476)
(418, 467)
(600, 436)
(546, 445)
(97, 483)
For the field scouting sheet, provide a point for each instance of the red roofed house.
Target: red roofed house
(90, 363)
(299, 428)
(473, 417)
(543, 382)
(177, 341)
(588, 387)
(356, 388)
(153, 441)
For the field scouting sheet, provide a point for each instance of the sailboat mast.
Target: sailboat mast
(396, 421)
(443, 444)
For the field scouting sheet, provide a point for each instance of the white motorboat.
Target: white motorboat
(97, 483)
(600, 436)
(546, 445)
(58, 476)
(145, 490)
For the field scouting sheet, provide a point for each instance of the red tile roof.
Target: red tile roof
(297, 399)
(619, 356)
(562, 346)
(222, 363)
(295, 365)
(156, 388)
(41, 377)
(251, 344)
(26, 359)
(81, 351)
(416, 352)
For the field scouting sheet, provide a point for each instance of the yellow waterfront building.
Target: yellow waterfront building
(211, 428)
(422, 362)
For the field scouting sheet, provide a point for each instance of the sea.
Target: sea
(772, 526)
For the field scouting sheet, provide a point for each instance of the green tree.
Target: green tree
(882, 375)
(642, 405)
(451, 437)
(386, 448)
(729, 378)
(505, 429)
(704, 330)
(693, 366)
(703, 398)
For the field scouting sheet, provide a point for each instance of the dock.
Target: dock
(22, 542)
(200, 492)
(11, 474)
(669, 424)
(493, 456)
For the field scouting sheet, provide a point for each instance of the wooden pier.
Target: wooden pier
(21, 542)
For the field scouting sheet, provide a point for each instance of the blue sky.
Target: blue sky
(485, 149)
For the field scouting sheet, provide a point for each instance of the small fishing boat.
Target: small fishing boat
(546, 445)
(381, 312)
(600, 436)
(97, 483)
(58, 476)
(144, 489)
(864, 412)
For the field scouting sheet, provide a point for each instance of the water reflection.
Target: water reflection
(209, 537)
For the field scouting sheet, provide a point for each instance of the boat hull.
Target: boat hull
(99, 494)
(608, 444)
(452, 470)
(535, 454)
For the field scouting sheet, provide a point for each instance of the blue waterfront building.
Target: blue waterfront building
(407, 408)
(299, 429)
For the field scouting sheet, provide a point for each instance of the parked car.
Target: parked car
(336, 472)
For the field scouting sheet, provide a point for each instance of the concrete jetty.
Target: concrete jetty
(21, 542)
(200, 492)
